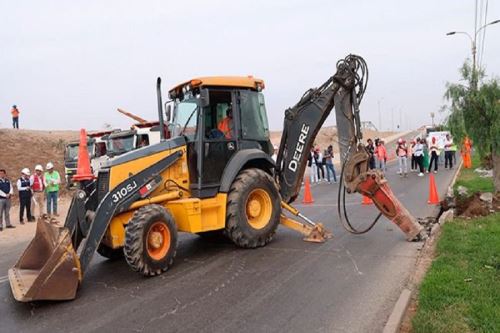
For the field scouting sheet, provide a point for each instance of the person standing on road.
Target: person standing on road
(275, 153)
(381, 154)
(453, 150)
(402, 154)
(36, 181)
(411, 156)
(15, 116)
(319, 161)
(24, 188)
(434, 150)
(329, 165)
(418, 153)
(371, 151)
(426, 154)
(448, 153)
(51, 182)
(312, 163)
(6, 191)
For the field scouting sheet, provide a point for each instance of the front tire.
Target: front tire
(253, 209)
(150, 240)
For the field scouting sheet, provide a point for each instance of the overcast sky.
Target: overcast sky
(70, 64)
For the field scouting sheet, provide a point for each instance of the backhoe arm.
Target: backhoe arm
(343, 91)
(303, 121)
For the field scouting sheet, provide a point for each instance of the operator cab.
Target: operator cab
(218, 116)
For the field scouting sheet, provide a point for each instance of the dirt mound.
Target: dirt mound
(328, 136)
(473, 206)
(26, 148)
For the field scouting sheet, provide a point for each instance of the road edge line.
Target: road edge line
(396, 317)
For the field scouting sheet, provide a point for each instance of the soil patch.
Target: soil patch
(473, 206)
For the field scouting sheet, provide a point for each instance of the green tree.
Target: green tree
(476, 113)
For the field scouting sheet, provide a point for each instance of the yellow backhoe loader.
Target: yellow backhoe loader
(212, 172)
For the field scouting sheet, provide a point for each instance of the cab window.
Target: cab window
(186, 118)
(218, 117)
(254, 125)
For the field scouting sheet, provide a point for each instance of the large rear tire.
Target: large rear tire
(253, 209)
(150, 240)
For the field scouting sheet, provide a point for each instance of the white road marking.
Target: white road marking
(4, 278)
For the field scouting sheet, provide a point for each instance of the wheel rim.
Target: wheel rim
(259, 208)
(158, 240)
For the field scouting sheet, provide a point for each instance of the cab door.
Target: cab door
(218, 147)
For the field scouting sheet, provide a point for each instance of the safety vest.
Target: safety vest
(15, 113)
(37, 183)
(5, 186)
(225, 126)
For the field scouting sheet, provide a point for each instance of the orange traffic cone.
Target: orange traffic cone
(83, 171)
(433, 193)
(366, 201)
(308, 198)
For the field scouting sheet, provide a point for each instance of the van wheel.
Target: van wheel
(253, 209)
(150, 240)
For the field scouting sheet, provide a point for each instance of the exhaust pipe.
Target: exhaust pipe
(160, 109)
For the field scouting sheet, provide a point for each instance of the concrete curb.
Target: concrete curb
(394, 322)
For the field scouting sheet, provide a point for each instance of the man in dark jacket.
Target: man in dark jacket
(371, 150)
(6, 191)
(24, 187)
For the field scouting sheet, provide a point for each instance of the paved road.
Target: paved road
(348, 284)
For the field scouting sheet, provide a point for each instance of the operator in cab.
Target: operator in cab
(226, 124)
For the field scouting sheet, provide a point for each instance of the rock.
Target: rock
(487, 197)
(449, 192)
(462, 190)
(483, 173)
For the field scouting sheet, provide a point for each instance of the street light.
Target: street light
(473, 44)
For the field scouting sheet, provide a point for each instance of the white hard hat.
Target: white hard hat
(49, 166)
(25, 171)
(400, 140)
(38, 167)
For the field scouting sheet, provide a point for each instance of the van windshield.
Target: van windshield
(121, 145)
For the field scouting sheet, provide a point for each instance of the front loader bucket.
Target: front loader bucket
(48, 269)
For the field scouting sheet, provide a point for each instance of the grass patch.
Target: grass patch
(461, 291)
(471, 179)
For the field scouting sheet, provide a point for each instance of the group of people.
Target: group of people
(321, 165)
(32, 189)
(422, 154)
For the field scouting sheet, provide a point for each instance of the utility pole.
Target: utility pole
(392, 121)
(473, 46)
(432, 117)
(400, 119)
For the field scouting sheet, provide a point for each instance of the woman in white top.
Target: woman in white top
(434, 150)
(418, 153)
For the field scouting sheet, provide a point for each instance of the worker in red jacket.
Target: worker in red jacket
(381, 154)
(15, 116)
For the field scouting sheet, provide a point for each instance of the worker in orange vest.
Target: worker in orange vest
(15, 116)
(226, 124)
(466, 150)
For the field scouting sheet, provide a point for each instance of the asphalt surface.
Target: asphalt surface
(348, 284)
